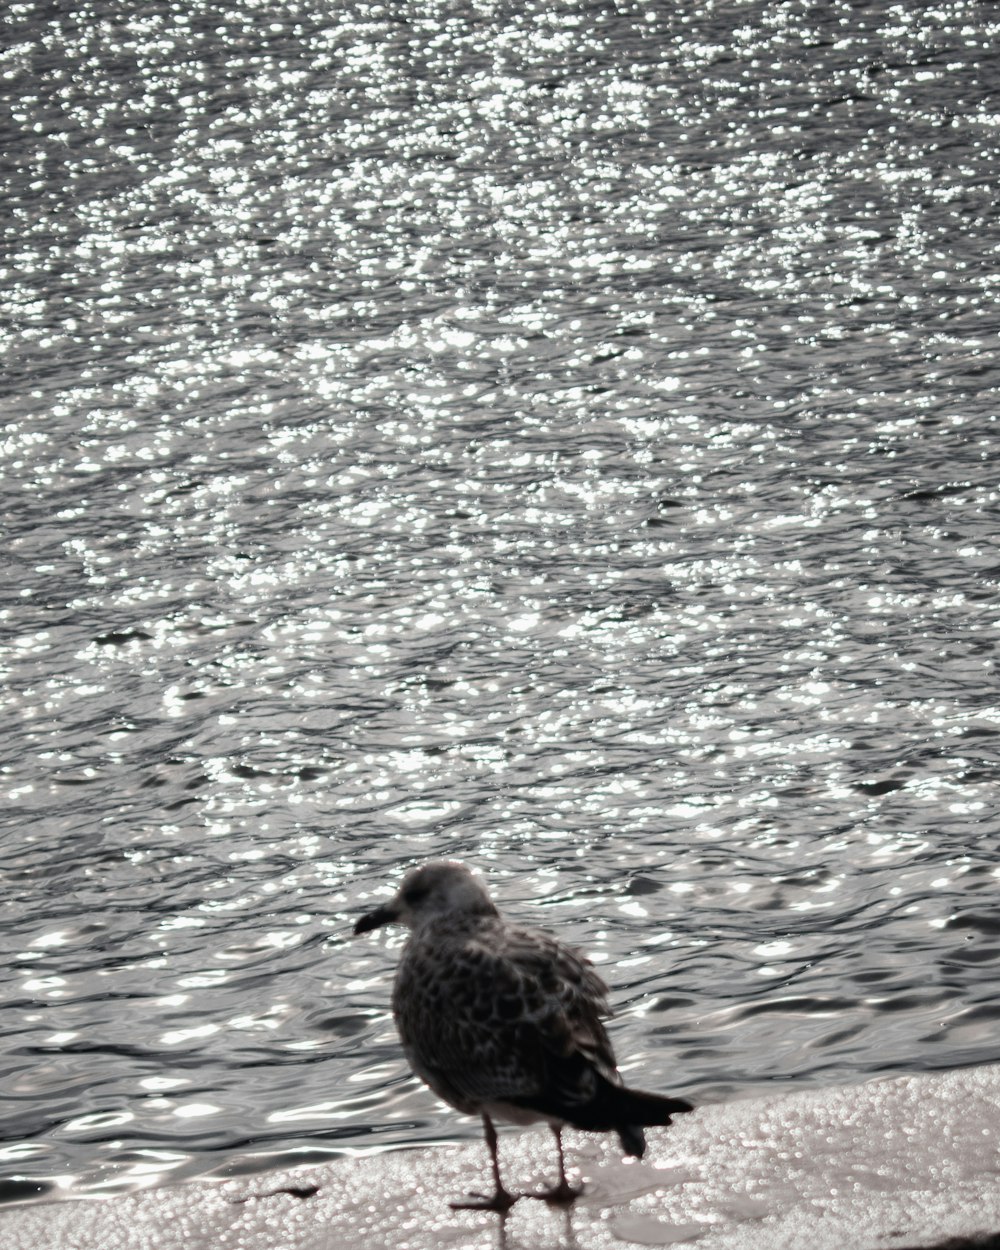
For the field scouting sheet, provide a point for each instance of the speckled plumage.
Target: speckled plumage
(506, 1022)
(485, 1011)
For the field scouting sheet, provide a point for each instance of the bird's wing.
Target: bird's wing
(503, 1016)
(569, 998)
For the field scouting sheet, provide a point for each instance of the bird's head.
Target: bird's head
(442, 888)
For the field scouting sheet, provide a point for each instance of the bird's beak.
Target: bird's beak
(375, 919)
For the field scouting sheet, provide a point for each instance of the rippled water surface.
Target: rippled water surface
(558, 436)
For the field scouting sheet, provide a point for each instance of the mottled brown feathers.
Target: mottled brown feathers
(504, 1021)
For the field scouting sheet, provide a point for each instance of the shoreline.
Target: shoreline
(901, 1163)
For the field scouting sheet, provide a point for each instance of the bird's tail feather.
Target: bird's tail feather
(633, 1140)
(611, 1107)
(626, 1111)
(637, 1108)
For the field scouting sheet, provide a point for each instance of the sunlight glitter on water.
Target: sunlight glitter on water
(561, 440)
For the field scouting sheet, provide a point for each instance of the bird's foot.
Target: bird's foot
(501, 1201)
(560, 1195)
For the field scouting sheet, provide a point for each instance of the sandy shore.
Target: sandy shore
(897, 1164)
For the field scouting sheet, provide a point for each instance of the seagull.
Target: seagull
(506, 1023)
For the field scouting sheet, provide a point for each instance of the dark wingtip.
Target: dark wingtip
(633, 1140)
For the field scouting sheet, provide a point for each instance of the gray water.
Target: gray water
(557, 436)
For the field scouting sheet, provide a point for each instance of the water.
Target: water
(558, 437)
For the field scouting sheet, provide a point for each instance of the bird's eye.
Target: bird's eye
(415, 894)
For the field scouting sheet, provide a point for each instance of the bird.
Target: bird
(506, 1023)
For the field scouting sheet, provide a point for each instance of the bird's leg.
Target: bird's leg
(564, 1192)
(501, 1201)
